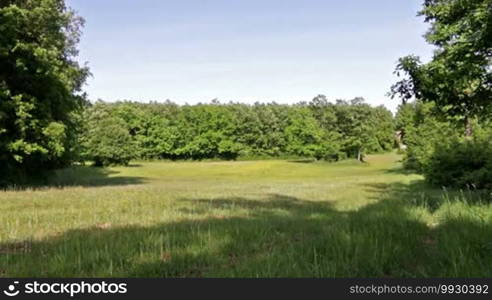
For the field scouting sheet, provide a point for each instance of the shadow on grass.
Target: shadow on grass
(134, 165)
(280, 236)
(303, 161)
(86, 176)
(401, 170)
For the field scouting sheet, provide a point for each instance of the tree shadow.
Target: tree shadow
(257, 208)
(134, 165)
(84, 176)
(401, 170)
(303, 161)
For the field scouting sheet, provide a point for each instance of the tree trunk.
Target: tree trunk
(358, 155)
(468, 127)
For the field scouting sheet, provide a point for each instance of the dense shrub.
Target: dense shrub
(462, 162)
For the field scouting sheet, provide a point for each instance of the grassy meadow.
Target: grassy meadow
(271, 218)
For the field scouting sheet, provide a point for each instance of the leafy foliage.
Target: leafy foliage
(439, 150)
(454, 88)
(422, 131)
(106, 140)
(319, 130)
(462, 163)
(458, 79)
(39, 85)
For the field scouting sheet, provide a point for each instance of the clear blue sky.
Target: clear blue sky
(247, 50)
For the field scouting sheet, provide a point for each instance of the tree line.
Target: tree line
(115, 133)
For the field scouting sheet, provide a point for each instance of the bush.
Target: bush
(462, 163)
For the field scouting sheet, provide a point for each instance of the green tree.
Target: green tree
(40, 84)
(303, 134)
(404, 119)
(152, 132)
(273, 119)
(106, 140)
(384, 129)
(424, 131)
(207, 132)
(247, 129)
(324, 112)
(458, 78)
(357, 127)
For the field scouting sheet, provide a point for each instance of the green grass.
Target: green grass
(244, 219)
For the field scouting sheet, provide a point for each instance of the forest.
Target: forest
(169, 189)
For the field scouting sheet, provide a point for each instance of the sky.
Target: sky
(285, 51)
